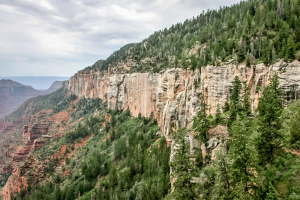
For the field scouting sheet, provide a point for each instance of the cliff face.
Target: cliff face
(169, 96)
(172, 96)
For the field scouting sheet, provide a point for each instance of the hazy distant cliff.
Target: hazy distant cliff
(13, 94)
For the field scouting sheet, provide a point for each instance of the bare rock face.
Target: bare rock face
(216, 81)
(172, 96)
(34, 131)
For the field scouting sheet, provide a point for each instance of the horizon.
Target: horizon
(37, 82)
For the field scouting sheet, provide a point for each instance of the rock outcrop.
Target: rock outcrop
(34, 131)
(172, 96)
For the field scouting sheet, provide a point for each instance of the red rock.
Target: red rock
(33, 131)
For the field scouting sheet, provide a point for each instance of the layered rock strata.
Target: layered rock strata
(172, 96)
(34, 131)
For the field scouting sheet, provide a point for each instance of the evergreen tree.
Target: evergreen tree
(246, 99)
(270, 107)
(57, 193)
(241, 153)
(201, 121)
(272, 194)
(290, 48)
(226, 107)
(241, 53)
(182, 167)
(199, 159)
(295, 130)
(235, 100)
(193, 62)
(297, 30)
(248, 63)
(218, 114)
(223, 175)
(266, 52)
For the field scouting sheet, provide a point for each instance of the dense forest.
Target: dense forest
(125, 157)
(253, 31)
(260, 160)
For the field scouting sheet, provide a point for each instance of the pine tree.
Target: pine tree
(218, 114)
(193, 62)
(199, 159)
(295, 131)
(272, 194)
(223, 175)
(241, 152)
(297, 30)
(57, 193)
(248, 63)
(266, 52)
(235, 100)
(226, 107)
(201, 121)
(270, 107)
(290, 48)
(241, 53)
(246, 99)
(182, 167)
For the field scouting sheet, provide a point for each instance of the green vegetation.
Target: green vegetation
(63, 105)
(249, 31)
(132, 163)
(4, 178)
(36, 104)
(125, 159)
(259, 161)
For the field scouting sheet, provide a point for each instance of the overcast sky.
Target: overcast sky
(60, 37)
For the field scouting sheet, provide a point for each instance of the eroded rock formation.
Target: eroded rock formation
(172, 96)
(34, 131)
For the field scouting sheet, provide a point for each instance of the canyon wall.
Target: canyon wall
(172, 96)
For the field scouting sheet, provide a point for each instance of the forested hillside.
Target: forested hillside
(259, 160)
(125, 159)
(252, 31)
(244, 151)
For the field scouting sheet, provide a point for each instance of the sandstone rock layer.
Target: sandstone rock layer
(172, 96)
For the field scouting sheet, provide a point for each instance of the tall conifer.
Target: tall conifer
(270, 108)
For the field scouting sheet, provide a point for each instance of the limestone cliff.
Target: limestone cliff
(172, 96)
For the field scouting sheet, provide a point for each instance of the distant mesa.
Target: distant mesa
(13, 94)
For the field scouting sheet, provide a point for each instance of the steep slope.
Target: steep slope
(172, 96)
(13, 94)
(160, 78)
(35, 128)
(125, 158)
(54, 86)
(248, 31)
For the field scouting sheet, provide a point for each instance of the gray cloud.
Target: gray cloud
(58, 38)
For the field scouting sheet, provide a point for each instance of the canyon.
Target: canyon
(13, 94)
(170, 96)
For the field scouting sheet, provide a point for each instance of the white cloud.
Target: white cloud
(58, 38)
